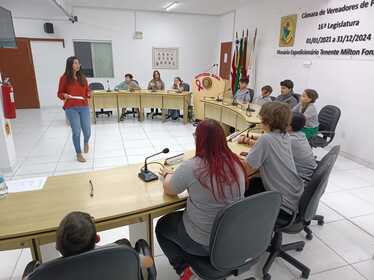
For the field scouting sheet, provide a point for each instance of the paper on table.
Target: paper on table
(26, 185)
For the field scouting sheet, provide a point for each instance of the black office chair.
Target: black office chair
(186, 87)
(113, 262)
(307, 209)
(241, 234)
(328, 119)
(272, 98)
(297, 96)
(99, 86)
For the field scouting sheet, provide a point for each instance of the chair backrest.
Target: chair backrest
(186, 87)
(328, 119)
(114, 262)
(96, 86)
(242, 231)
(136, 82)
(317, 185)
(272, 98)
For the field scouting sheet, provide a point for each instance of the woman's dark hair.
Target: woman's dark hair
(298, 121)
(219, 171)
(312, 94)
(179, 79)
(129, 76)
(70, 73)
(287, 83)
(268, 89)
(154, 74)
(76, 234)
(277, 115)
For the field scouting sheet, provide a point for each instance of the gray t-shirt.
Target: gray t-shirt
(303, 155)
(260, 100)
(202, 208)
(272, 155)
(289, 99)
(310, 114)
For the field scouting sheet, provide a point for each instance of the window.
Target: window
(96, 58)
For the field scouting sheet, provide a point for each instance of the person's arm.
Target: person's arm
(177, 182)
(150, 86)
(61, 93)
(257, 155)
(87, 91)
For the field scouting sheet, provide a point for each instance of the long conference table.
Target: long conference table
(141, 99)
(30, 219)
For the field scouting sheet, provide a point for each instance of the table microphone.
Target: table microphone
(147, 175)
(236, 134)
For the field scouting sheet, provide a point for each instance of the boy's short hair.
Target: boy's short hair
(268, 89)
(76, 234)
(129, 76)
(287, 83)
(298, 121)
(277, 115)
(244, 81)
(312, 94)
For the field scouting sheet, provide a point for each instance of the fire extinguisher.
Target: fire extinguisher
(9, 103)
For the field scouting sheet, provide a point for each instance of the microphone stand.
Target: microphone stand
(147, 175)
(236, 134)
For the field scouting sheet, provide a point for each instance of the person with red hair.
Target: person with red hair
(214, 178)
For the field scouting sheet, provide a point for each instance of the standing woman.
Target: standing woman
(156, 84)
(214, 178)
(73, 90)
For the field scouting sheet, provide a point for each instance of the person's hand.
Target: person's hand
(251, 142)
(66, 96)
(165, 171)
(148, 262)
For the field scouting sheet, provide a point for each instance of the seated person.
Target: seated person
(178, 86)
(154, 85)
(301, 150)
(243, 94)
(306, 107)
(272, 155)
(214, 178)
(128, 84)
(286, 95)
(265, 96)
(77, 234)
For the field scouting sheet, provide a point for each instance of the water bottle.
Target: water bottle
(3, 187)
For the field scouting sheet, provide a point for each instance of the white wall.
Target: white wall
(346, 83)
(196, 37)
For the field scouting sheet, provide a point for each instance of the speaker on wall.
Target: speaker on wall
(48, 28)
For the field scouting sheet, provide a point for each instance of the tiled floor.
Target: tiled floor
(342, 249)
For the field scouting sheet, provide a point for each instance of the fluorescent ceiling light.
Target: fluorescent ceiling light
(171, 6)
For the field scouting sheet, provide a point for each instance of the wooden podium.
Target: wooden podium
(207, 85)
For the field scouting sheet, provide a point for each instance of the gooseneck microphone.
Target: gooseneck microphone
(236, 134)
(147, 175)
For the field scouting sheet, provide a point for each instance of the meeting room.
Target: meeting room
(186, 140)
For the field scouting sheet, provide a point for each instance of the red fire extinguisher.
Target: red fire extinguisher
(8, 100)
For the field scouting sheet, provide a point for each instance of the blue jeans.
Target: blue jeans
(80, 120)
(174, 114)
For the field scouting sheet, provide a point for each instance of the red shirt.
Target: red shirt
(74, 89)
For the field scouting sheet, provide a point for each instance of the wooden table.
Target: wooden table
(229, 115)
(141, 99)
(30, 219)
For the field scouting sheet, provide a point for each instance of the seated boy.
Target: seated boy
(301, 150)
(286, 95)
(77, 234)
(243, 94)
(265, 96)
(272, 155)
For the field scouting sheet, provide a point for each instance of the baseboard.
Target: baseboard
(357, 160)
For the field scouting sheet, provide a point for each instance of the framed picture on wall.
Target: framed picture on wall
(165, 58)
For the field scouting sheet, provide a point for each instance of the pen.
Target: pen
(91, 188)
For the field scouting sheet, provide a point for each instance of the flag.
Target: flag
(234, 65)
(252, 63)
(245, 54)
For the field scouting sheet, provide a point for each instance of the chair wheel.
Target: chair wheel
(299, 249)
(321, 222)
(305, 274)
(309, 236)
(267, 276)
